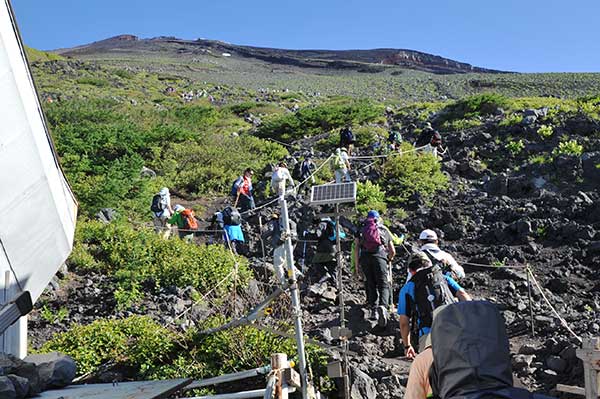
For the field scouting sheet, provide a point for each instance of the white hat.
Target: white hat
(178, 208)
(164, 191)
(428, 235)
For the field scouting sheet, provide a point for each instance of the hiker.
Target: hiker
(325, 252)
(216, 228)
(429, 245)
(427, 289)
(241, 191)
(280, 175)
(372, 252)
(307, 168)
(186, 222)
(233, 235)
(394, 139)
(162, 211)
(430, 141)
(341, 165)
(274, 230)
(471, 354)
(346, 138)
(418, 386)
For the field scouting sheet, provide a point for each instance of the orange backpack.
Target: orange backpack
(189, 221)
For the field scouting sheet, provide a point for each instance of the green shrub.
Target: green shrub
(515, 147)
(136, 341)
(93, 81)
(540, 159)
(370, 196)
(477, 105)
(571, 147)
(461, 124)
(545, 132)
(314, 120)
(137, 256)
(511, 120)
(413, 173)
(364, 136)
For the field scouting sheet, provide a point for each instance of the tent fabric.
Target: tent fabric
(470, 350)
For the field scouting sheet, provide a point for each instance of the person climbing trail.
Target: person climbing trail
(347, 138)
(232, 225)
(427, 289)
(162, 211)
(429, 245)
(372, 252)
(186, 222)
(324, 259)
(280, 176)
(274, 230)
(241, 191)
(340, 163)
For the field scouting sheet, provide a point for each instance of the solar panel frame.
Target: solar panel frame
(337, 193)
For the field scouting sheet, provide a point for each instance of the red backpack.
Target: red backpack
(371, 239)
(189, 221)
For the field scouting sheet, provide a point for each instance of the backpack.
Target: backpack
(189, 221)
(156, 206)
(330, 231)
(371, 238)
(431, 291)
(436, 139)
(425, 138)
(337, 162)
(346, 136)
(278, 175)
(471, 359)
(297, 171)
(236, 186)
(231, 216)
(394, 137)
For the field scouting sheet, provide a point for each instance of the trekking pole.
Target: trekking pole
(236, 200)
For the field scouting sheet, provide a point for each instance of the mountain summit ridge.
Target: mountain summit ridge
(368, 60)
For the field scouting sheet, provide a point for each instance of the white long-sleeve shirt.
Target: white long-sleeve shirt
(445, 257)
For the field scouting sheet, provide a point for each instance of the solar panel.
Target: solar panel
(333, 193)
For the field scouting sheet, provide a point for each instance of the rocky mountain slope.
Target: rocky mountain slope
(332, 59)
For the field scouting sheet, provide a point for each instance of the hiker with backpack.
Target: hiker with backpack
(347, 138)
(233, 235)
(275, 231)
(162, 211)
(427, 289)
(429, 246)
(471, 354)
(307, 168)
(430, 141)
(394, 140)
(186, 222)
(340, 163)
(324, 257)
(241, 191)
(280, 176)
(373, 250)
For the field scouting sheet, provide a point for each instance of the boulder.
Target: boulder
(555, 363)
(147, 172)
(20, 384)
(363, 386)
(7, 389)
(55, 369)
(591, 166)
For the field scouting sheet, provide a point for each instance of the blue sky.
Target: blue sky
(523, 36)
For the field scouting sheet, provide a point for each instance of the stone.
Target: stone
(55, 369)
(529, 120)
(106, 215)
(147, 172)
(7, 389)
(363, 386)
(20, 384)
(522, 362)
(30, 372)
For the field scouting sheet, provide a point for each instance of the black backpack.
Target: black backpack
(471, 356)
(431, 291)
(231, 216)
(347, 137)
(425, 138)
(156, 206)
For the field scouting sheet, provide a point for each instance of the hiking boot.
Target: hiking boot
(382, 316)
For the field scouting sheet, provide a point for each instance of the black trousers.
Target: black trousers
(377, 285)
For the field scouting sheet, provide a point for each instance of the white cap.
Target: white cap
(178, 208)
(164, 191)
(428, 235)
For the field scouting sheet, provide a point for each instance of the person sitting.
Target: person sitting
(427, 289)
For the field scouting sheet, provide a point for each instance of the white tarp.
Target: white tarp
(37, 208)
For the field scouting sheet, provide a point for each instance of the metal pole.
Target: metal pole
(530, 301)
(338, 256)
(295, 294)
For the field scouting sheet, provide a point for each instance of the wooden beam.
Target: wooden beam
(570, 389)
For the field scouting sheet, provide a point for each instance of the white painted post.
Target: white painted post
(14, 339)
(590, 356)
